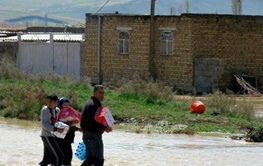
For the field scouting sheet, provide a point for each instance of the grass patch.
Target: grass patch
(141, 102)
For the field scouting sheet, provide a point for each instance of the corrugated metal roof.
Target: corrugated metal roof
(6, 32)
(62, 37)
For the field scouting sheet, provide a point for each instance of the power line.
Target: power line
(102, 6)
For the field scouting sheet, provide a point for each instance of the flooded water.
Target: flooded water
(21, 145)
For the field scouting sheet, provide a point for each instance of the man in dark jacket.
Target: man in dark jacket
(92, 130)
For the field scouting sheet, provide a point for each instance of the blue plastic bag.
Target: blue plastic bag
(81, 151)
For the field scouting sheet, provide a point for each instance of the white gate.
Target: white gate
(54, 57)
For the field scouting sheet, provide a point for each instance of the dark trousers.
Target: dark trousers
(52, 152)
(94, 149)
(65, 145)
(66, 148)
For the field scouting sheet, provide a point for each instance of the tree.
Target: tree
(237, 7)
(187, 6)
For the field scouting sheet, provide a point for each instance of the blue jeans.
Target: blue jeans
(94, 149)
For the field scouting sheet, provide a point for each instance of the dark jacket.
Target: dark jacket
(88, 122)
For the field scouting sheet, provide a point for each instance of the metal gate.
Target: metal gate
(207, 72)
(55, 57)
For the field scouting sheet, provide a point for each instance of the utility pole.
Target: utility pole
(46, 20)
(152, 46)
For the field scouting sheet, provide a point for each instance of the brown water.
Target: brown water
(21, 145)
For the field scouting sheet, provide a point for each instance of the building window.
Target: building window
(124, 42)
(166, 41)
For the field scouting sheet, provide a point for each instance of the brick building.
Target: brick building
(193, 52)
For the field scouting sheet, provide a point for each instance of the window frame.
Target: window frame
(166, 43)
(124, 43)
(125, 48)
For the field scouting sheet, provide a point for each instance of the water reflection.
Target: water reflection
(20, 145)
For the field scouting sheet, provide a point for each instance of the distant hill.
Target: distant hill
(35, 17)
(73, 12)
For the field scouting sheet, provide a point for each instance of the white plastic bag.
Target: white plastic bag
(58, 134)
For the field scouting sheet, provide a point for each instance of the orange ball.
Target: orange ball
(197, 107)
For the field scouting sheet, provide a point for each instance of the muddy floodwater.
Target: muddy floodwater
(21, 145)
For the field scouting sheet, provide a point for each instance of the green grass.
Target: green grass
(142, 102)
(23, 99)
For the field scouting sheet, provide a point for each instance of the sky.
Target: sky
(76, 9)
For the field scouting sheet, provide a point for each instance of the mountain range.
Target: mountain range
(73, 11)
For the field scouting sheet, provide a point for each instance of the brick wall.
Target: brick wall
(235, 40)
(117, 65)
(90, 58)
(114, 65)
(175, 70)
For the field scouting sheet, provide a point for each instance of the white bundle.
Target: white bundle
(62, 134)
